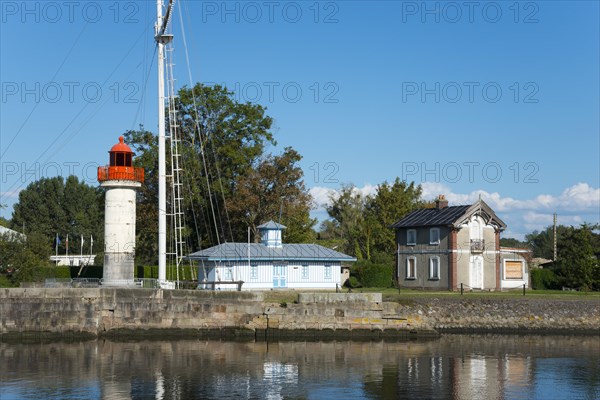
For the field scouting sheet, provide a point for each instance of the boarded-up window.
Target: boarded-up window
(513, 270)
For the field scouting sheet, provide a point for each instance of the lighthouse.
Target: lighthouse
(121, 180)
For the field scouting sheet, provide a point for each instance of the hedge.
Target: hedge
(374, 275)
(544, 279)
(151, 271)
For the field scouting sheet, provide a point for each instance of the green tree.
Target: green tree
(577, 262)
(23, 257)
(542, 242)
(145, 145)
(228, 182)
(274, 189)
(512, 242)
(52, 206)
(364, 222)
(389, 204)
(347, 209)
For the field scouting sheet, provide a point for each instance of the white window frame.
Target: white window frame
(408, 275)
(253, 271)
(434, 236)
(304, 271)
(409, 233)
(432, 276)
(327, 272)
(228, 274)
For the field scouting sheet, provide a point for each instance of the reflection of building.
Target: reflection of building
(270, 264)
(451, 367)
(448, 247)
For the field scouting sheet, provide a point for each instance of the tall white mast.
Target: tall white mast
(162, 39)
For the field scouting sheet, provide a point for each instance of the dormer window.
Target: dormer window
(411, 237)
(434, 236)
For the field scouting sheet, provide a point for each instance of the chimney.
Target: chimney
(441, 202)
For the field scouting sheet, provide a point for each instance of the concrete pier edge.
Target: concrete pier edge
(121, 313)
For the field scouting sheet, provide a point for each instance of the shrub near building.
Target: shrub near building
(370, 274)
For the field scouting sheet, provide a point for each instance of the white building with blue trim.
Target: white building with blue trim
(270, 264)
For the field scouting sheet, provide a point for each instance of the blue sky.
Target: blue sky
(493, 98)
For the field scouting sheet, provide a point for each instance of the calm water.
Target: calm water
(452, 367)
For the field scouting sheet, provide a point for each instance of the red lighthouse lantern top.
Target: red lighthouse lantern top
(120, 165)
(121, 154)
(121, 147)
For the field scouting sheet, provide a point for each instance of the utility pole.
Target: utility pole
(554, 259)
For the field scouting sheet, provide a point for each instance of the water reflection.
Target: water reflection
(459, 367)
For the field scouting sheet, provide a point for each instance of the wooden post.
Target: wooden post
(461, 289)
(523, 289)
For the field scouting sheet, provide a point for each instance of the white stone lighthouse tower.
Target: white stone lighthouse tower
(121, 180)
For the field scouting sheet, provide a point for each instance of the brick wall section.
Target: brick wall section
(498, 262)
(453, 260)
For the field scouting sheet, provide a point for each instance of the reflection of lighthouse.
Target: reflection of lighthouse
(121, 180)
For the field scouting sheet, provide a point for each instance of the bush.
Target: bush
(544, 279)
(353, 282)
(151, 271)
(374, 275)
(62, 272)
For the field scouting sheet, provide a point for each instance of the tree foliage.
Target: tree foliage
(229, 183)
(542, 242)
(512, 242)
(22, 257)
(363, 223)
(578, 249)
(274, 189)
(52, 206)
(577, 262)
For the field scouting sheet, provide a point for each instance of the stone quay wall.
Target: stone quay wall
(65, 312)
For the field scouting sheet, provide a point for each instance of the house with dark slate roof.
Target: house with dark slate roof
(271, 264)
(444, 247)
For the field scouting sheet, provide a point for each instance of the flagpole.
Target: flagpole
(67, 244)
(56, 248)
(81, 253)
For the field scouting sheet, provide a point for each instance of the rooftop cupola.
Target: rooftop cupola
(270, 234)
(120, 165)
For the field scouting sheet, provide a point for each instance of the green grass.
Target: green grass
(5, 282)
(392, 294)
(407, 295)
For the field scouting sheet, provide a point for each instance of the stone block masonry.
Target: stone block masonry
(63, 312)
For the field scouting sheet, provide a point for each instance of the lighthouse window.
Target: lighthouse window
(128, 160)
(112, 158)
(120, 160)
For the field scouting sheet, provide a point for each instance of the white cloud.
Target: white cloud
(322, 195)
(574, 205)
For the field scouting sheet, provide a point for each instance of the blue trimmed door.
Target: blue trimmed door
(279, 276)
